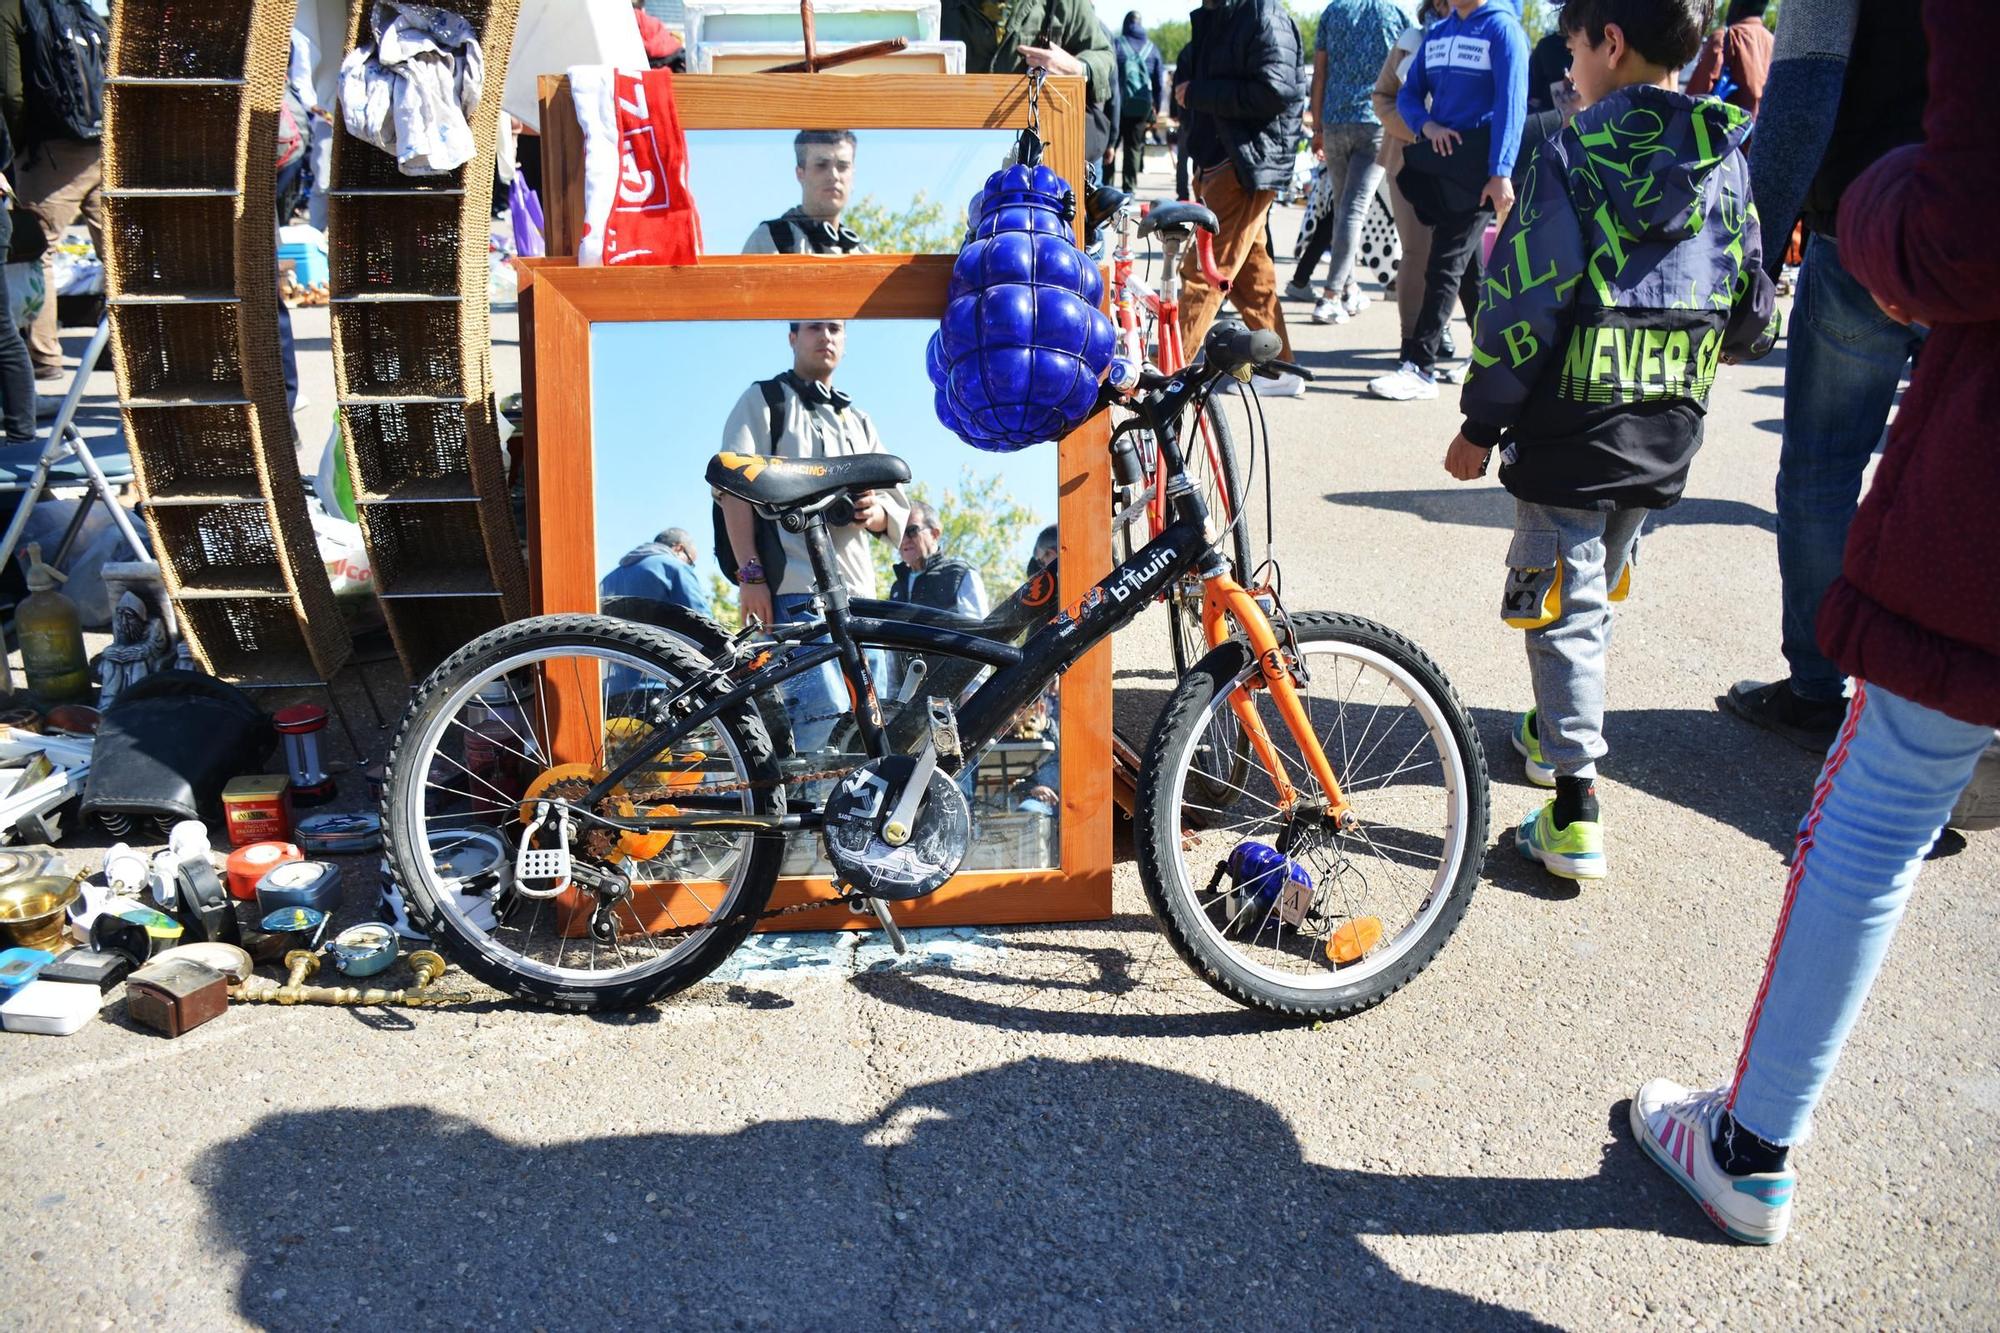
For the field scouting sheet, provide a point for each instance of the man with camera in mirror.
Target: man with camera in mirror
(799, 414)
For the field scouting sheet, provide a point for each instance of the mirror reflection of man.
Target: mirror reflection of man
(826, 183)
(661, 570)
(928, 575)
(799, 414)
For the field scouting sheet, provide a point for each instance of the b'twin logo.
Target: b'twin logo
(1132, 578)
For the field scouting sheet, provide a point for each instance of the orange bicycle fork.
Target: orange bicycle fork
(1225, 601)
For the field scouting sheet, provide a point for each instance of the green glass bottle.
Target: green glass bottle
(51, 635)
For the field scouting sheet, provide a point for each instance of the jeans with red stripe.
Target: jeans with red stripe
(1888, 784)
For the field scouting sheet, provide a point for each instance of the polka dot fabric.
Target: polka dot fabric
(1023, 346)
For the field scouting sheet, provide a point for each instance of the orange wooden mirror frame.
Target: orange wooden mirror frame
(560, 303)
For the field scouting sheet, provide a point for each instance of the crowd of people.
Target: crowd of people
(1613, 208)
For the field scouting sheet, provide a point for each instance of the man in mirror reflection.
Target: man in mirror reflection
(929, 575)
(661, 570)
(799, 414)
(826, 182)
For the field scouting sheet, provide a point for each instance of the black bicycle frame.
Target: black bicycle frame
(1019, 673)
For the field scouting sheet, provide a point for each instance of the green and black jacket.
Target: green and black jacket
(1629, 267)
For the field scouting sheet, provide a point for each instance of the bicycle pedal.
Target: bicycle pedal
(944, 728)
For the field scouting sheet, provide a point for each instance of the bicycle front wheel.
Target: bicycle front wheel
(536, 713)
(1377, 899)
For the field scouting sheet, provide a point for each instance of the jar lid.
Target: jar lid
(299, 718)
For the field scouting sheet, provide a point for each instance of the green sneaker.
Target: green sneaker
(1530, 748)
(1576, 852)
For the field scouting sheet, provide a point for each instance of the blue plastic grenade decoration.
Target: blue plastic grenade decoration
(1259, 873)
(1023, 346)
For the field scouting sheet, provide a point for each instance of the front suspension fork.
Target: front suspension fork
(1224, 601)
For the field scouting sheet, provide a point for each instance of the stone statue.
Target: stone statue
(139, 647)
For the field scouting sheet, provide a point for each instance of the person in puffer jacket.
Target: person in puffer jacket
(1627, 270)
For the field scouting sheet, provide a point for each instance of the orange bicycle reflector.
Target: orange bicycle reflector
(1350, 943)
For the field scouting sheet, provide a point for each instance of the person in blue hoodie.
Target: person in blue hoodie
(1466, 95)
(1628, 269)
(661, 570)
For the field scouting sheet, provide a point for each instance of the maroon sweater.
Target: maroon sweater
(1917, 608)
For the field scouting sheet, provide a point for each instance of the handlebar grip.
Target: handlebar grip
(1204, 249)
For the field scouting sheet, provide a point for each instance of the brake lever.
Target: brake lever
(1270, 370)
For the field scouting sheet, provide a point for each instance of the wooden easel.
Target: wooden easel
(814, 62)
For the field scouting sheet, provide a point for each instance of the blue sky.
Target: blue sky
(660, 393)
(743, 177)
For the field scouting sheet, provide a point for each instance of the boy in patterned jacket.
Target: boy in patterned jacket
(1628, 269)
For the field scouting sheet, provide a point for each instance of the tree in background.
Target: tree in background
(984, 525)
(921, 229)
(722, 603)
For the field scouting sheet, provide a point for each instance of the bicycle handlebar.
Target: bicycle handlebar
(1204, 250)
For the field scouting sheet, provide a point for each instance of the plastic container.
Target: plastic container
(313, 884)
(306, 248)
(51, 1008)
(51, 635)
(248, 865)
(19, 968)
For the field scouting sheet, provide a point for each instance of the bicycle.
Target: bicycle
(1149, 333)
(644, 810)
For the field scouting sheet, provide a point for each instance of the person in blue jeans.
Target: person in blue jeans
(1822, 123)
(1354, 37)
(1914, 617)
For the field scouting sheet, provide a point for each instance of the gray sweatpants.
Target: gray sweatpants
(1565, 568)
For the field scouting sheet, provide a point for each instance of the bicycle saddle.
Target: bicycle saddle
(1178, 214)
(792, 483)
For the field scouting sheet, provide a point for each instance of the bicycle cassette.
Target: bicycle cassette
(866, 864)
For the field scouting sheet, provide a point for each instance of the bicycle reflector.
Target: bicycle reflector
(1022, 347)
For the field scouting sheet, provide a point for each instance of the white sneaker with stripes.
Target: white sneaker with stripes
(1674, 1125)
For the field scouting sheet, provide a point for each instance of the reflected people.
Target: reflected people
(929, 575)
(825, 173)
(661, 570)
(799, 414)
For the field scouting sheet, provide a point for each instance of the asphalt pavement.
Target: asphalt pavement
(1062, 1127)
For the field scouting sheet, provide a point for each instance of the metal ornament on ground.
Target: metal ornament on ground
(340, 835)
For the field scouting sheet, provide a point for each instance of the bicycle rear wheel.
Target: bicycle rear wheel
(1380, 897)
(539, 711)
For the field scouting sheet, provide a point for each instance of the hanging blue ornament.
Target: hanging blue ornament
(1022, 347)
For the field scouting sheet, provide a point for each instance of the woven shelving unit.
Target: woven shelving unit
(190, 122)
(413, 370)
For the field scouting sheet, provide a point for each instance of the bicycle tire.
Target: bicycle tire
(481, 956)
(1159, 834)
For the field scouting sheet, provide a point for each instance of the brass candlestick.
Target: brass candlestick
(304, 965)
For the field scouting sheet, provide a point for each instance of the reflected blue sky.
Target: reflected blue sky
(740, 178)
(660, 393)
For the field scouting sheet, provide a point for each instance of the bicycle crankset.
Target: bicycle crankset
(924, 855)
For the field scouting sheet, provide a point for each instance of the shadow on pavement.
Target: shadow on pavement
(1039, 1194)
(1490, 507)
(1072, 987)
(1701, 759)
